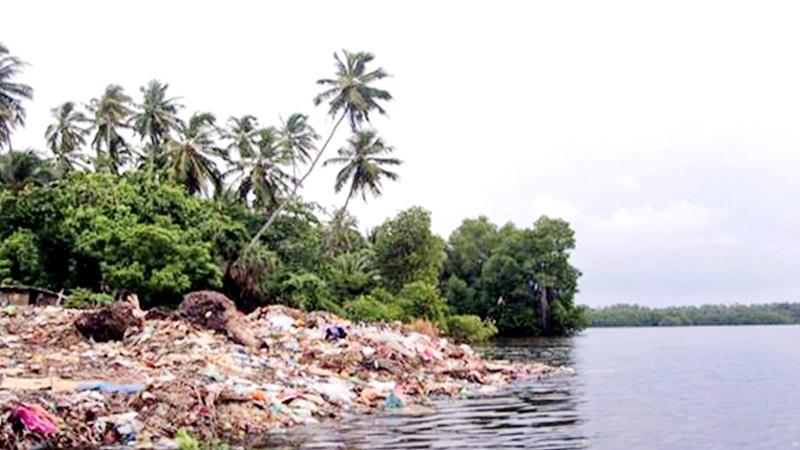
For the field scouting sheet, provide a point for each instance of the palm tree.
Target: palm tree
(190, 157)
(66, 136)
(262, 174)
(243, 135)
(363, 165)
(111, 113)
(21, 168)
(350, 95)
(341, 233)
(155, 120)
(12, 94)
(297, 139)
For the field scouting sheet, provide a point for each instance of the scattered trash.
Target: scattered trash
(35, 419)
(334, 333)
(188, 370)
(105, 386)
(393, 402)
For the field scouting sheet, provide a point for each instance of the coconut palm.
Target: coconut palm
(341, 233)
(155, 120)
(351, 94)
(190, 157)
(66, 136)
(111, 113)
(12, 94)
(364, 165)
(242, 135)
(21, 168)
(297, 139)
(261, 175)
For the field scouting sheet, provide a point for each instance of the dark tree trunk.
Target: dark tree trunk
(544, 312)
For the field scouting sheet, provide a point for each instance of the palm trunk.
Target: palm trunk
(292, 195)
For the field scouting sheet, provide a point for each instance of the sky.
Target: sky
(667, 133)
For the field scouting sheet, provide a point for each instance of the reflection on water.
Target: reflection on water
(540, 415)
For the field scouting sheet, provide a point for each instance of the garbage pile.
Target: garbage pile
(214, 372)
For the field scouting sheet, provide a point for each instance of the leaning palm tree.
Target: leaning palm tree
(363, 165)
(156, 119)
(261, 175)
(351, 94)
(66, 136)
(111, 114)
(190, 157)
(12, 94)
(22, 168)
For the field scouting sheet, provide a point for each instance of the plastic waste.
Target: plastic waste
(35, 419)
(393, 402)
(105, 386)
(335, 332)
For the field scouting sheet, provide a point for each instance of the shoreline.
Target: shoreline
(58, 388)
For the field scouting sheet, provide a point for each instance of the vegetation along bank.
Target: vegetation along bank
(135, 194)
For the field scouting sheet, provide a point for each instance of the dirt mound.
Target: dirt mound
(109, 323)
(207, 309)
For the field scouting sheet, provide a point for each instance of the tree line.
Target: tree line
(134, 196)
(625, 315)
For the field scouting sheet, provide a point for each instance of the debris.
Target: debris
(334, 333)
(35, 419)
(207, 309)
(109, 323)
(191, 371)
(105, 386)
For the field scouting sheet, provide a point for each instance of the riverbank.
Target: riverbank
(166, 374)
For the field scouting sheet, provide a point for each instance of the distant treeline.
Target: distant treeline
(641, 316)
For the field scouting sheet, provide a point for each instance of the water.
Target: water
(638, 388)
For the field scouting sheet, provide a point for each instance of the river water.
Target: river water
(633, 388)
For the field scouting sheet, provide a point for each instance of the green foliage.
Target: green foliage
(84, 298)
(512, 275)
(20, 259)
(422, 299)
(470, 328)
(112, 234)
(406, 250)
(309, 292)
(367, 308)
(641, 316)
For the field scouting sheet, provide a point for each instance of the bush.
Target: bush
(366, 308)
(420, 299)
(308, 292)
(425, 326)
(470, 328)
(84, 298)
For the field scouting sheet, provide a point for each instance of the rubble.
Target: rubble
(60, 389)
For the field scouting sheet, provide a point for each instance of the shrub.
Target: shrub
(84, 298)
(470, 328)
(420, 299)
(366, 308)
(425, 326)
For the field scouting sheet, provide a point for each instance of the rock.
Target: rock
(207, 309)
(109, 323)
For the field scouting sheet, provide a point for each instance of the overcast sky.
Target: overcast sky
(669, 134)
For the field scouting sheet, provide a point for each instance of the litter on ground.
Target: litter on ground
(71, 378)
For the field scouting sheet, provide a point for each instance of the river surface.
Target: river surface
(633, 388)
